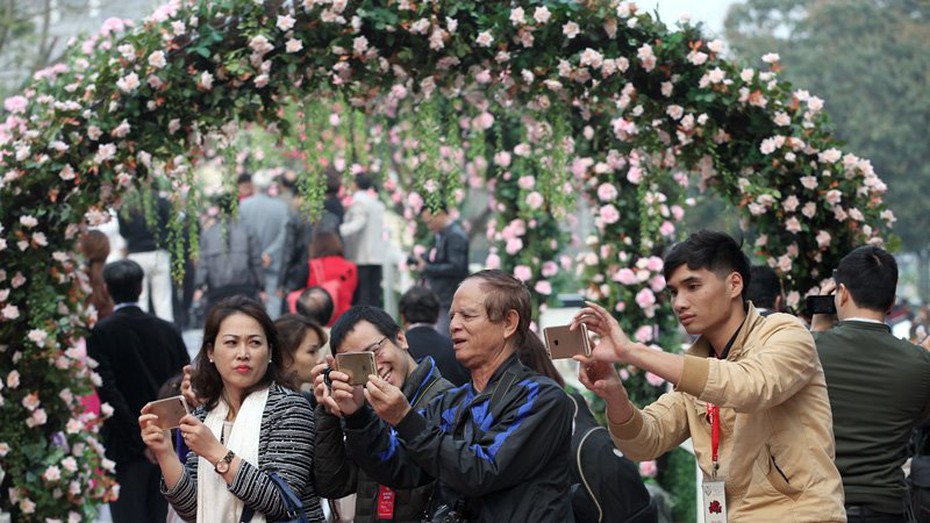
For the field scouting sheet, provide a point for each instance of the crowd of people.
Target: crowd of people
(464, 417)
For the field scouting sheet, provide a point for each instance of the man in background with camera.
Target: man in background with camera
(446, 264)
(879, 386)
(137, 352)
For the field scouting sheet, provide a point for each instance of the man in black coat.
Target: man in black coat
(419, 310)
(446, 265)
(136, 352)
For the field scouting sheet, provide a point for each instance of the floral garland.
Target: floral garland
(609, 100)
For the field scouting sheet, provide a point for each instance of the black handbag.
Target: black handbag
(295, 509)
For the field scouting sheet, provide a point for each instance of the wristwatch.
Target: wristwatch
(223, 465)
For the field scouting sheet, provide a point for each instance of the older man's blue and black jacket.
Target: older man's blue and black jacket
(502, 454)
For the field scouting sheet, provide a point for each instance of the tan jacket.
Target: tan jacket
(776, 449)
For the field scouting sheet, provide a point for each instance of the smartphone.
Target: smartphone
(564, 343)
(358, 365)
(821, 305)
(169, 411)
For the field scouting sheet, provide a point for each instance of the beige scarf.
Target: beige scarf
(214, 501)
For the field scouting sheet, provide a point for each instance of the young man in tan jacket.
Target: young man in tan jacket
(760, 376)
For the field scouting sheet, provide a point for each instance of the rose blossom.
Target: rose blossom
(484, 39)
(285, 22)
(543, 287)
(542, 14)
(534, 200)
(493, 261)
(645, 298)
(522, 272)
(128, 83)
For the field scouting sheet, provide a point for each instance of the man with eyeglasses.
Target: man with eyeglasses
(369, 329)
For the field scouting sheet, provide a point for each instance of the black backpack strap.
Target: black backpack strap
(500, 390)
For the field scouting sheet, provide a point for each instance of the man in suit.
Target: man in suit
(879, 386)
(136, 352)
(363, 235)
(446, 265)
(267, 219)
(419, 309)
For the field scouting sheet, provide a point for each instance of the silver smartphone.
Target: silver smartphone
(169, 411)
(562, 342)
(358, 365)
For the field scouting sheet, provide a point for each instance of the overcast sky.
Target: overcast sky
(711, 12)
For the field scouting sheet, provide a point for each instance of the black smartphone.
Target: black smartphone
(821, 305)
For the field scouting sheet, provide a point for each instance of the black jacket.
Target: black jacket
(425, 341)
(335, 469)
(608, 487)
(137, 352)
(450, 264)
(140, 237)
(498, 456)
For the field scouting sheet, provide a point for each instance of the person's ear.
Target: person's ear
(402, 340)
(511, 322)
(735, 284)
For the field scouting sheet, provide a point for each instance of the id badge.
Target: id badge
(715, 501)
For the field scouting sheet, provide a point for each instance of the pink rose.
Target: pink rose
(543, 287)
(493, 261)
(513, 246)
(643, 334)
(609, 214)
(654, 380)
(522, 272)
(607, 192)
(549, 269)
(648, 469)
(626, 277)
(645, 298)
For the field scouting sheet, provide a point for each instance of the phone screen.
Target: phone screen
(821, 305)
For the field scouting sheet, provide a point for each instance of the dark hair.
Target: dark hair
(765, 287)
(715, 251)
(871, 275)
(363, 181)
(292, 329)
(325, 242)
(319, 310)
(346, 323)
(506, 293)
(206, 379)
(244, 178)
(419, 305)
(333, 181)
(533, 354)
(124, 280)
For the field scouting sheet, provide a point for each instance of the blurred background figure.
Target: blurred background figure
(765, 290)
(230, 258)
(328, 269)
(446, 264)
(300, 231)
(267, 218)
(95, 246)
(419, 310)
(363, 232)
(146, 245)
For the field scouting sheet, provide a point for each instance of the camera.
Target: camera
(413, 261)
(821, 305)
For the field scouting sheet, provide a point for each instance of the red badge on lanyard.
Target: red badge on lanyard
(385, 503)
(714, 490)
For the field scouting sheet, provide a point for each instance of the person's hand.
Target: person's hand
(157, 442)
(197, 296)
(421, 263)
(266, 260)
(200, 440)
(601, 378)
(321, 390)
(348, 398)
(388, 402)
(614, 345)
(187, 390)
(263, 296)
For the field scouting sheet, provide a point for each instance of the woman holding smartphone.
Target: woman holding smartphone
(250, 425)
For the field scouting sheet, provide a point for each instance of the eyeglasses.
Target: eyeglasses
(374, 347)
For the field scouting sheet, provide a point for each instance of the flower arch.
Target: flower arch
(559, 99)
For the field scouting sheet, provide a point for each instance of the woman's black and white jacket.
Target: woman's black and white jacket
(285, 446)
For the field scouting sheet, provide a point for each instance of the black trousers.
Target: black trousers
(369, 290)
(139, 497)
(863, 514)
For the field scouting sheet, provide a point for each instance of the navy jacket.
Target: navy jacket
(495, 461)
